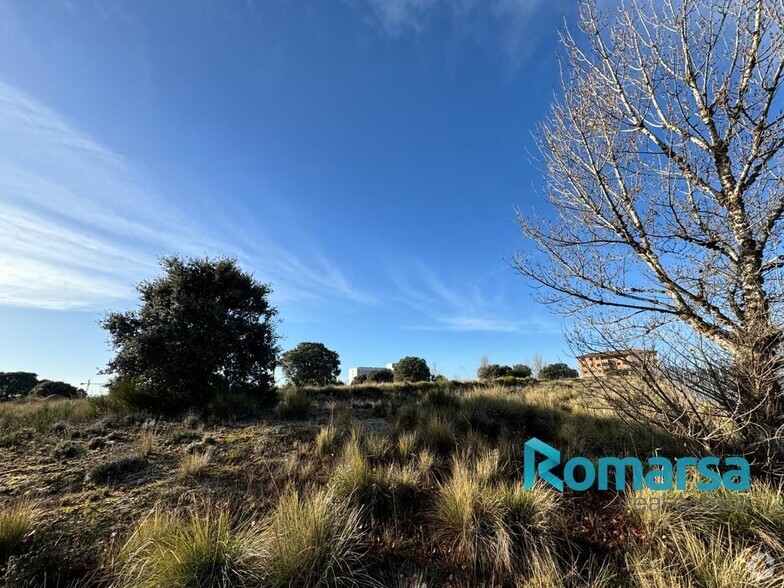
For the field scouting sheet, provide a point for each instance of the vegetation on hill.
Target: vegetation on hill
(383, 485)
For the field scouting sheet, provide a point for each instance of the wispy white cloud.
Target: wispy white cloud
(510, 26)
(463, 308)
(79, 225)
(396, 16)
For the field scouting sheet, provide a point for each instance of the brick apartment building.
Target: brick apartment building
(605, 363)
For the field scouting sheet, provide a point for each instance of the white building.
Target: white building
(358, 371)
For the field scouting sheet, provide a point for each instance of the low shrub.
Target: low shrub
(132, 392)
(64, 450)
(294, 404)
(382, 376)
(46, 388)
(116, 470)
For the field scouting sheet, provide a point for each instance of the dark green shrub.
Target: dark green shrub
(558, 371)
(520, 370)
(383, 376)
(46, 388)
(294, 404)
(493, 371)
(232, 406)
(116, 470)
(133, 392)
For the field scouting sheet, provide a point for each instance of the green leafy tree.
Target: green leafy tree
(412, 369)
(381, 376)
(520, 370)
(16, 384)
(557, 371)
(492, 371)
(46, 388)
(204, 326)
(310, 364)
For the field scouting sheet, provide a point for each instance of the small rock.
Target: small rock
(113, 436)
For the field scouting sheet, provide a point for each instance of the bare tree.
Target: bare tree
(537, 363)
(663, 161)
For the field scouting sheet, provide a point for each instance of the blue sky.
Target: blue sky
(363, 156)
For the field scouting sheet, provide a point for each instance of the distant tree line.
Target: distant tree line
(204, 336)
(555, 371)
(26, 384)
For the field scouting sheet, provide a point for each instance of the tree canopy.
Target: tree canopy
(412, 369)
(16, 384)
(558, 371)
(204, 326)
(310, 364)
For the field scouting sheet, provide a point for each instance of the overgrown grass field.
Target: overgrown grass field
(383, 486)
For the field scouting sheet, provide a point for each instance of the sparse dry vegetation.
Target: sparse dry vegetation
(430, 493)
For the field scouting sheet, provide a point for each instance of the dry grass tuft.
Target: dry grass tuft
(326, 440)
(406, 444)
(200, 549)
(16, 521)
(313, 541)
(194, 465)
(147, 442)
(493, 528)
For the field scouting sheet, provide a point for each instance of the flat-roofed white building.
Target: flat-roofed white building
(359, 371)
